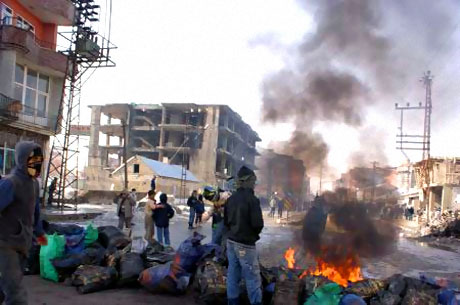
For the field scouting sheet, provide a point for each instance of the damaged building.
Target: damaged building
(282, 174)
(370, 184)
(31, 72)
(432, 185)
(212, 141)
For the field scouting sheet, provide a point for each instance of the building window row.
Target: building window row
(7, 18)
(32, 89)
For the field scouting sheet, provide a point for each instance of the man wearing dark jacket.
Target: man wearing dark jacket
(19, 213)
(244, 222)
(161, 215)
(192, 203)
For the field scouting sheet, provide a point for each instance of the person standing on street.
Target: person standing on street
(162, 214)
(125, 206)
(153, 183)
(199, 210)
(51, 190)
(280, 208)
(192, 203)
(272, 204)
(148, 217)
(19, 220)
(244, 222)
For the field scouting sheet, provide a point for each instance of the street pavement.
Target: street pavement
(409, 257)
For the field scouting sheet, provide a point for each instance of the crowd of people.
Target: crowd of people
(236, 224)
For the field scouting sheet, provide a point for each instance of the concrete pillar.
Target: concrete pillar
(431, 198)
(94, 157)
(203, 161)
(7, 66)
(446, 200)
(162, 133)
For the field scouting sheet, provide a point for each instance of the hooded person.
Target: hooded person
(19, 219)
(244, 222)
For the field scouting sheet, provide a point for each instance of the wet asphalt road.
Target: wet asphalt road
(409, 257)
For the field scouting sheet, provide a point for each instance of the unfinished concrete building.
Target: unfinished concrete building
(211, 140)
(431, 186)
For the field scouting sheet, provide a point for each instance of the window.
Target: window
(136, 168)
(6, 14)
(24, 24)
(32, 89)
(6, 160)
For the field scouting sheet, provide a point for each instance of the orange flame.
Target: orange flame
(289, 256)
(341, 273)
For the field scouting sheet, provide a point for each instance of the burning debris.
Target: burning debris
(338, 235)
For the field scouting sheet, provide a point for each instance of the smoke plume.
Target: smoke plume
(351, 61)
(356, 232)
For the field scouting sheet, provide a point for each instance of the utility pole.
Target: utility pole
(321, 178)
(373, 180)
(123, 124)
(427, 80)
(417, 141)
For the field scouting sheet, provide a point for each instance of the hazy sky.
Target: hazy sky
(203, 51)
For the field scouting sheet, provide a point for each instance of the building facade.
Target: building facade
(282, 174)
(432, 185)
(211, 140)
(140, 173)
(32, 72)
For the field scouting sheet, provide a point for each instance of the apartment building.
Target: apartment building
(32, 72)
(283, 174)
(212, 140)
(432, 185)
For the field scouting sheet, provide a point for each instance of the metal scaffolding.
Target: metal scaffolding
(87, 50)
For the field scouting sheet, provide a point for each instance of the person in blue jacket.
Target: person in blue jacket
(19, 220)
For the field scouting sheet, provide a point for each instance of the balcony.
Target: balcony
(59, 12)
(15, 114)
(40, 53)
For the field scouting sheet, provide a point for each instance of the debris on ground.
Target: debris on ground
(94, 259)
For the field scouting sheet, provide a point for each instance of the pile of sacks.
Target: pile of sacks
(396, 290)
(94, 259)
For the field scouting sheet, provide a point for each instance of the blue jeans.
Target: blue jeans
(217, 232)
(163, 232)
(243, 262)
(191, 218)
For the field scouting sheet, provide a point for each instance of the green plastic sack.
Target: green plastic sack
(91, 235)
(328, 294)
(54, 249)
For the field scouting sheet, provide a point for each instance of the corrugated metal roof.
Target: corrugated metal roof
(168, 170)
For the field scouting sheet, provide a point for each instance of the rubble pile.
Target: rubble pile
(446, 224)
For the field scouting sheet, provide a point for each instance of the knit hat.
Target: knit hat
(244, 173)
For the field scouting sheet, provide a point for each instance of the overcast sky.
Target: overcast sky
(202, 51)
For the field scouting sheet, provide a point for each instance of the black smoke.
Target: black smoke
(360, 55)
(350, 231)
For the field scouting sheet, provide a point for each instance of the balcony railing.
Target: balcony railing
(12, 110)
(19, 24)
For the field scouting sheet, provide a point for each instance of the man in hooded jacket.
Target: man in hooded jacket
(19, 218)
(244, 222)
